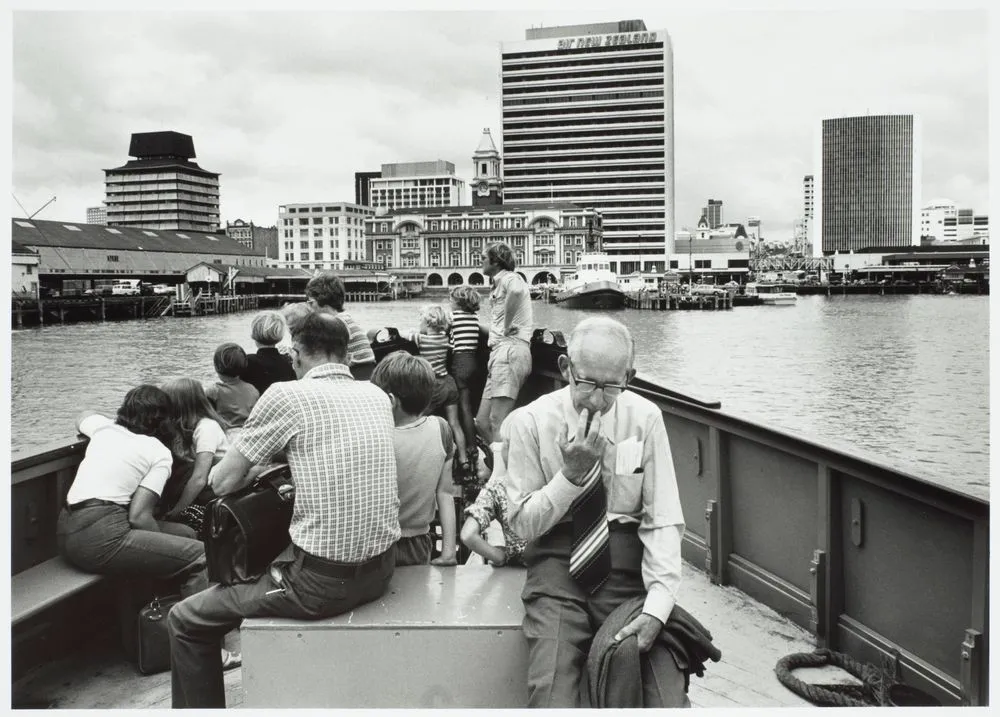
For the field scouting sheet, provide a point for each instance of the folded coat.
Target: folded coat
(614, 669)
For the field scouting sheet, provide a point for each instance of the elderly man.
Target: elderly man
(338, 437)
(510, 341)
(591, 486)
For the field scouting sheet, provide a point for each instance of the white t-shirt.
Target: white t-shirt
(117, 462)
(209, 437)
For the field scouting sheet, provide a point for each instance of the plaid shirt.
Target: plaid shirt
(338, 436)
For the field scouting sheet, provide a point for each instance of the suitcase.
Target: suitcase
(152, 642)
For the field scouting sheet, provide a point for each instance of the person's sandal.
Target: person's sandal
(230, 660)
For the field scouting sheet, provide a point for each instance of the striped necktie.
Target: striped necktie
(590, 556)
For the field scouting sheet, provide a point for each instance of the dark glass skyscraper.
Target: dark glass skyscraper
(869, 193)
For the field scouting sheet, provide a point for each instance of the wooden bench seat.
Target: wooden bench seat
(439, 637)
(44, 585)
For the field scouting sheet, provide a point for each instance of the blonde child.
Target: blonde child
(433, 342)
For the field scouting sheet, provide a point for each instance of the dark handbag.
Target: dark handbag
(152, 642)
(245, 531)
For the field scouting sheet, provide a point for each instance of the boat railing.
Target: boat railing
(888, 567)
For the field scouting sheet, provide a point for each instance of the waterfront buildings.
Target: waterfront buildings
(362, 187)
(869, 183)
(942, 221)
(448, 241)
(97, 215)
(588, 119)
(416, 184)
(261, 240)
(23, 271)
(72, 255)
(321, 235)
(722, 252)
(162, 188)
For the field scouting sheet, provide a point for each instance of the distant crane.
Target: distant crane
(32, 216)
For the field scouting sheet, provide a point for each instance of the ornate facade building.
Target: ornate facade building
(447, 242)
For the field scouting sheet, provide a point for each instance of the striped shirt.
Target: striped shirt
(464, 331)
(434, 348)
(359, 348)
(338, 436)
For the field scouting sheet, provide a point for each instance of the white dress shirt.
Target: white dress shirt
(638, 472)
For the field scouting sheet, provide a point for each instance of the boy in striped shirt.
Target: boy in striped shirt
(432, 342)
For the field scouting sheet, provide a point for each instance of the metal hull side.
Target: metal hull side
(593, 295)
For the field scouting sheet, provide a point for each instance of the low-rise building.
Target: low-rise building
(71, 256)
(23, 271)
(321, 236)
(262, 240)
(721, 252)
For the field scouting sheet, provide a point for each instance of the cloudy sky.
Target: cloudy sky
(288, 105)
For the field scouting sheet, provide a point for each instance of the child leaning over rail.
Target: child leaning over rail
(433, 342)
(423, 447)
(107, 526)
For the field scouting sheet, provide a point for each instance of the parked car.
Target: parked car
(162, 289)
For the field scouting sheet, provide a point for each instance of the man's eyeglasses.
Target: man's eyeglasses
(586, 386)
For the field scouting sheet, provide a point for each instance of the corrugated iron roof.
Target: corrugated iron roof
(38, 233)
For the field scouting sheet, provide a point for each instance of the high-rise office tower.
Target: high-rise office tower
(588, 119)
(362, 187)
(713, 213)
(97, 215)
(869, 184)
(416, 184)
(162, 188)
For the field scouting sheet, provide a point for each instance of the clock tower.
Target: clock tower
(487, 186)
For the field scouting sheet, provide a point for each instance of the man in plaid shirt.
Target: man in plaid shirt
(337, 434)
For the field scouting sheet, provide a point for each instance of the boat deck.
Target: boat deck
(752, 638)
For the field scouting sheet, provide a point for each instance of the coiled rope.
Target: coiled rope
(872, 692)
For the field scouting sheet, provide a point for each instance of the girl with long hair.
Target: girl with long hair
(201, 443)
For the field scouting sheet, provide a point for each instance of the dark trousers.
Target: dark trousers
(560, 621)
(99, 539)
(415, 550)
(198, 624)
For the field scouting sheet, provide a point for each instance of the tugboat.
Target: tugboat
(594, 286)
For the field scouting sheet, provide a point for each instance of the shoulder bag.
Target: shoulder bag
(243, 532)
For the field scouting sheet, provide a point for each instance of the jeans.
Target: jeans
(198, 624)
(99, 539)
(560, 621)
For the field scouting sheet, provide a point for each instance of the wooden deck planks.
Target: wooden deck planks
(752, 639)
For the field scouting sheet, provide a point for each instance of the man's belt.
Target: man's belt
(341, 571)
(91, 503)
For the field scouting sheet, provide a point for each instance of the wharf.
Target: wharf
(674, 302)
(27, 312)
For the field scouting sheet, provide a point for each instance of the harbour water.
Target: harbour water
(903, 379)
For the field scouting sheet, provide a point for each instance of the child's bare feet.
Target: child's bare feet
(444, 561)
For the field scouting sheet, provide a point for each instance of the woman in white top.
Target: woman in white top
(107, 526)
(201, 443)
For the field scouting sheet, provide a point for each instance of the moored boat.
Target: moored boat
(593, 286)
(771, 294)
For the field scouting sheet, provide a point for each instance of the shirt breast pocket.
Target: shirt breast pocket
(625, 495)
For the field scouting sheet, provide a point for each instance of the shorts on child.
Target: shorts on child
(445, 394)
(465, 369)
(415, 550)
